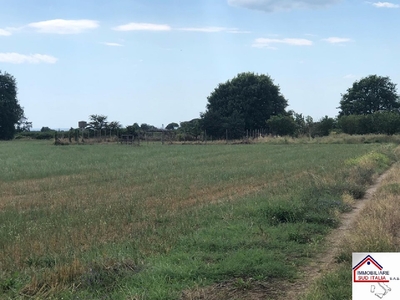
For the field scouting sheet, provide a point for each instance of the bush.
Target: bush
(323, 127)
(46, 135)
(378, 122)
(282, 125)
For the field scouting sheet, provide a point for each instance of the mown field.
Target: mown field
(161, 222)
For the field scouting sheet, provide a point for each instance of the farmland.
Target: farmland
(158, 222)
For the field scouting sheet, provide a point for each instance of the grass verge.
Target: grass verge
(375, 230)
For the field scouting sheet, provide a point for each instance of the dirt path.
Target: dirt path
(333, 240)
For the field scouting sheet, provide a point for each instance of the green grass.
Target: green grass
(375, 230)
(149, 222)
(333, 286)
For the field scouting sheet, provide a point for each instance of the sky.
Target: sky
(157, 61)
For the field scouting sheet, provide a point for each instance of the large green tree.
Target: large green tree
(10, 110)
(369, 95)
(242, 103)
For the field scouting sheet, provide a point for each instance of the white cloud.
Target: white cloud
(205, 29)
(113, 44)
(4, 32)
(60, 26)
(337, 40)
(213, 29)
(278, 5)
(267, 43)
(16, 58)
(385, 5)
(349, 76)
(143, 26)
(165, 27)
(238, 31)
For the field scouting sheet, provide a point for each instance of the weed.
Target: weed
(243, 284)
(104, 277)
(9, 283)
(285, 212)
(41, 262)
(348, 201)
(393, 188)
(333, 286)
(306, 233)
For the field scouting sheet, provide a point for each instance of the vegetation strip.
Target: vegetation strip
(374, 230)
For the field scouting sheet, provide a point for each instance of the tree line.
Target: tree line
(240, 107)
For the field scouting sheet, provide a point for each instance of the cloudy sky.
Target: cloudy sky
(156, 61)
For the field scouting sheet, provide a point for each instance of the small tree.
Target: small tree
(304, 125)
(172, 126)
(324, 126)
(70, 133)
(146, 127)
(10, 111)
(46, 129)
(309, 126)
(23, 125)
(97, 122)
(114, 126)
(76, 135)
(301, 127)
(190, 130)
(282, 125)
(133, 129)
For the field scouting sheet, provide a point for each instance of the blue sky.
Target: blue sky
(157, 61)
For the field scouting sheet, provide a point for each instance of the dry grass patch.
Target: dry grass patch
(237, 289)
(377, 228)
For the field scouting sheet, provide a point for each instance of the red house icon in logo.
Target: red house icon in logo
(370, 271)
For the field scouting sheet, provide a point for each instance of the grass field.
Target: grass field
(158, 222)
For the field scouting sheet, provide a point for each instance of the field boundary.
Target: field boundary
(333, 240)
